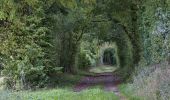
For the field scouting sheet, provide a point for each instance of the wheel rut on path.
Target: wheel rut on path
(109, 81)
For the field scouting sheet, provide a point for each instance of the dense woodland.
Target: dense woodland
(39, 38)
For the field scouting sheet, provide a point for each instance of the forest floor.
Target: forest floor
(108, 81)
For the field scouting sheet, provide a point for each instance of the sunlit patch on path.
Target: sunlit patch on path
(103, 69)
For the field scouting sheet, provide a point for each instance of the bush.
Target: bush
(27, 69)
(86, 59)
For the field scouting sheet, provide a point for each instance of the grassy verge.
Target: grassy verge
(59, 94)
(128, 92)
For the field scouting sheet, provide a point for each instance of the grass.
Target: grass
(128, 92)
(59, 94)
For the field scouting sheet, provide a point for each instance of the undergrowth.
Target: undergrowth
(149, 83)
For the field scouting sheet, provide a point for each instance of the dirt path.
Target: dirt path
(108, 80)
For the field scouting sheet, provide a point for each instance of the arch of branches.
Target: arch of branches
(121, 20)
(126, 45)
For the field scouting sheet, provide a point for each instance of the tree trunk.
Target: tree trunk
(135, 38)
(68, 57)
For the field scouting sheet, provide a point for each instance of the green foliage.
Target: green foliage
(21, 43)
(86, 57)
(83, 61)
(153, 26)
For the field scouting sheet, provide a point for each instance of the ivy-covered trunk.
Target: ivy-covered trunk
(134, 36)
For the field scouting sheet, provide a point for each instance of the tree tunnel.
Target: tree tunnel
(124, 48)
(116, 47)
(113, 25)
(122, 30)
(109, 57)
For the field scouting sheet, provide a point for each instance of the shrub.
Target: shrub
(85, 59)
